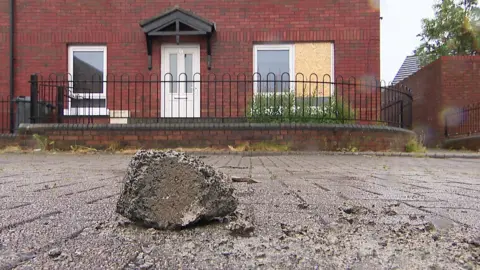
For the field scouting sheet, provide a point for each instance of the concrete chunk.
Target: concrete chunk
(169, 190)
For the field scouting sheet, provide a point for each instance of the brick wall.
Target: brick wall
(448, 83)
(8, 140)
(44, 30)
(466, 143)
(304, 137)
(427, 99)
(460, 81)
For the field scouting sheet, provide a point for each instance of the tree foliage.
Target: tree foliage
(455, 30)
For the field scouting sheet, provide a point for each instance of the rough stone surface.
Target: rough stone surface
(243, 223)
(168, 190)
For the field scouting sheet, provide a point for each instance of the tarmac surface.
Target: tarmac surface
(310, 212)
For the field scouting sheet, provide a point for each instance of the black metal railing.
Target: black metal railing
(463, 122)
(226, 98)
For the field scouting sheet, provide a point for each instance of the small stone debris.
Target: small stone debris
(54, 253)
(382, 243)
(141, 261)
(390, 212)
(242, 223)
(63, 257)
(147, 265)
(293, 231)
(260, 255)
(148, 249)
(354, 210)
(99, 225)
(303, 205)
(244, 180)
(123, 223)
(226, 253)
(475, 242)
(429, 227)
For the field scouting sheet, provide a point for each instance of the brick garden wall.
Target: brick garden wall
(8, 140)
(304, 137)
(448, 83)
(468, 143)
(427, 99)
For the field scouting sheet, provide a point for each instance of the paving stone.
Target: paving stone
(303, 209)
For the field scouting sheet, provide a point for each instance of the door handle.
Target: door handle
(180, 97)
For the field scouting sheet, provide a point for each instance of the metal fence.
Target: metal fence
(272, 98)
(11, 119)
(463, 122)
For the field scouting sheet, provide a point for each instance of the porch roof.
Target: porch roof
(177, 21)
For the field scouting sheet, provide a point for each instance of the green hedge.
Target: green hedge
(272, 108)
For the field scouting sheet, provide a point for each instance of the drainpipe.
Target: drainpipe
(12, 74)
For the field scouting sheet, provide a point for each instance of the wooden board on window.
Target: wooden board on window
(314, 58)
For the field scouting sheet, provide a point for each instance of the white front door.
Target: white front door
(180, 81)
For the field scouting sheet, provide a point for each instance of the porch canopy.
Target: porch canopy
(177, 22)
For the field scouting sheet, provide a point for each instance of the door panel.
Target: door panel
(181, 86)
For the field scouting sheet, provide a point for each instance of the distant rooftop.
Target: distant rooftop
(409, 66)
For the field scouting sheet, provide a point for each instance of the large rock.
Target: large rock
(168, 190)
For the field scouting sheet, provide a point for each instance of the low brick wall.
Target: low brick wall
(300, 137)
(8, 140)
(468, 143)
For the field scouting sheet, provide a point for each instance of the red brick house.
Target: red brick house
(337, 38)
(440, 88)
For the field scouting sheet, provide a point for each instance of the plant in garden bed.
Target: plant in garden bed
(286, 107)
(414, 146)
(268, 146)
(44, 143)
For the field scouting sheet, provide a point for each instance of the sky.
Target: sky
(402, 21)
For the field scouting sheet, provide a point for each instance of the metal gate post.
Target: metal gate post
(34, 97)
(446, 127)
(60, 93)
(402, 123)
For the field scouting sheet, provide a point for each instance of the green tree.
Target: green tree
(453, 31)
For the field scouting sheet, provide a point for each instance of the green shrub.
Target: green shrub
(414, 146)
(43, 143)
(271, 108)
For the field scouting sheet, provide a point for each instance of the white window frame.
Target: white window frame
(332, 91)
(274, 47)
(82, 111)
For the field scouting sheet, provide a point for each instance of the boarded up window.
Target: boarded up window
(317, 59)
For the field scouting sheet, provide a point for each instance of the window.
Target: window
(87, 67)
(274, 68)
